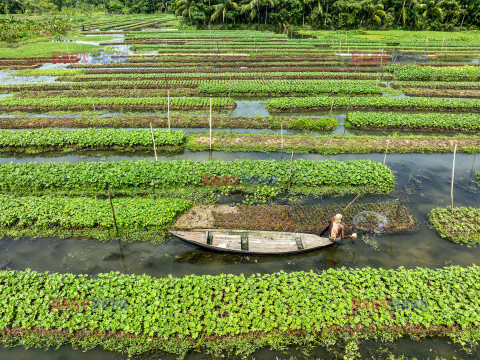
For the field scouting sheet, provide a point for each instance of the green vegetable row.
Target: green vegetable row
(238, 313)
(463, 122)
(285, 88)
(225, 75)
(89, 138)
(463, 226)
(137, 218)
(430, 73)
(146, 176)
(99, 103)
(155, 84)
(384, 102)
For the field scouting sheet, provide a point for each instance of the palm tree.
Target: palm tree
(432, 10)
(403, 11)
(223, 9)
(253, 6)
(372, 12)
(184, 7)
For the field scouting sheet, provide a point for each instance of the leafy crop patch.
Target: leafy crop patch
(373, 102)
(88, 139)
(428, 121)
(238, 314)
(461, 227)
(130, 177)
(137, 218)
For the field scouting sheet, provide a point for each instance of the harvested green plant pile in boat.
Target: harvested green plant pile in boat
(310, 219)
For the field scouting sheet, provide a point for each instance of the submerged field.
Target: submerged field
(101, 153)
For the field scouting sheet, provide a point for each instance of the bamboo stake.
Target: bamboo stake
(351, 202)
(113, 211)
(406, 187)
(453, 175)
(281, 132)
(471, 171)
(348, 106)
(291, 167)
(386, 150)
(331, 107)
(154, 146)
(210, 124)
(168, 108)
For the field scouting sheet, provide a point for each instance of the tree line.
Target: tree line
(320, 14)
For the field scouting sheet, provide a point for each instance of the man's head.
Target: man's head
(338, 218)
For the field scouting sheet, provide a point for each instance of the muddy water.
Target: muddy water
(429, 188)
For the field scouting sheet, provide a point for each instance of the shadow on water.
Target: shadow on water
(425, 349)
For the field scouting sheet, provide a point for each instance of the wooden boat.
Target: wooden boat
(253, 242)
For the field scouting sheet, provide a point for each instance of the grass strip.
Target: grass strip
(335, 144)
(91, 138)
(138, 219)
(372, 102)
(225, 76)
(463, 226)
(47, 72)
(112, 103)
(453, 85)
(427, 121)
(441, 93)
(144, 177)
(179, 121)
(34, 141)
(234, 313)
(108, 93)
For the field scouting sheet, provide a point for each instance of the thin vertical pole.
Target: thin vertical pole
(154, 146)
(471, 171)
(168, 108)
(281, 132)
(113, 211)
(386, 150)
(331, 107)
(291, 167)
(453, 175)
(210, 124)
(405, 192)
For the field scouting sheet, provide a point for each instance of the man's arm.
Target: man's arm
(342, 227)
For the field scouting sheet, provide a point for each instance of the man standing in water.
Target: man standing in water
(337, 230)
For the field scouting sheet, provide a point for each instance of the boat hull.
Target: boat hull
(253, 242)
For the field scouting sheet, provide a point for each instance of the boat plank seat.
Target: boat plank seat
(233, 242)
(258, 244)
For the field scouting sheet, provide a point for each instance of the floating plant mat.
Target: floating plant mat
(294, 218)
(461, 226)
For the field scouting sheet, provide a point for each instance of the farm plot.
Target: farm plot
(461, 226)
(137, 219)
(144, 177)
(203, 312)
